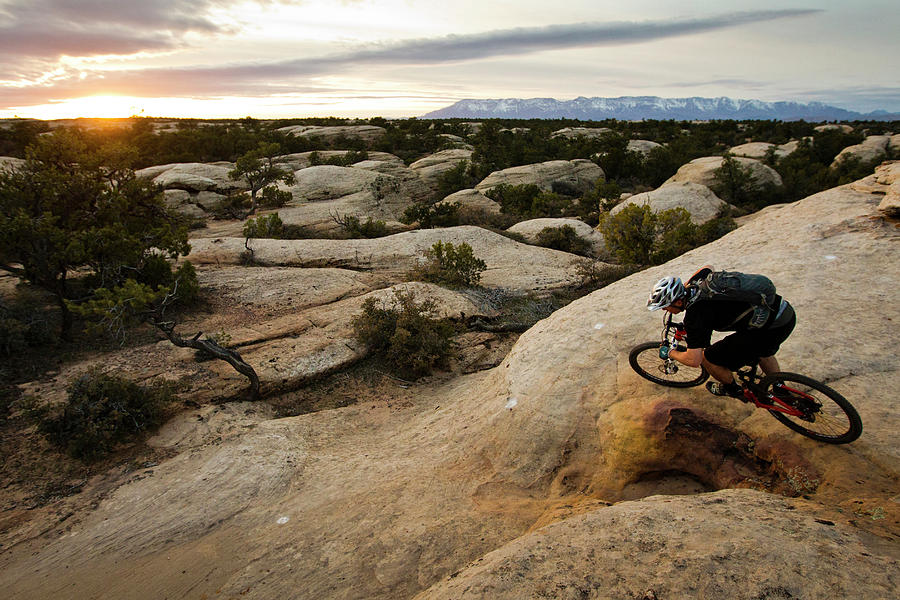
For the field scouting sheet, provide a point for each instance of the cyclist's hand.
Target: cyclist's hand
(664, 352)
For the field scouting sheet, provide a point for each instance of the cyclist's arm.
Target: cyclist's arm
(691, 357)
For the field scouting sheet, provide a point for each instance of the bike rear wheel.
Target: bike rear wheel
(644, 359)
(827, 416)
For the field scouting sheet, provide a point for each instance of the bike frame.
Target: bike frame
(674, 332)
(753, 391)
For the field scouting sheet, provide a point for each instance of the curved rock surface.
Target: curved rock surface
(384, 501)
(433, 166)
(301, 160)
(573, 176)
(871, 148)
(473, 199)
(697, 199)
(588, 132)
(758, 150)
(194, 177)
(9, 162)
(702, 171)
(510, 265)
(531, 228)
(327, 182)
(644, 147)
(721, 545)
(367, 133)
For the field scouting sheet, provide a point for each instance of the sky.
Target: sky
(403, 58)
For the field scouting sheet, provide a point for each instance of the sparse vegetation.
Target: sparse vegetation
(102, 411)
(74, 209)
(354, 228)
(563, 238)
(404, 335)
(259, 169)
(637, 235)
(454, 266)
(430, 215)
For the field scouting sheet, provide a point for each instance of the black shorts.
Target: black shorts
(743, 348)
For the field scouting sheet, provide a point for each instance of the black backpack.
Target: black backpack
(756, 290)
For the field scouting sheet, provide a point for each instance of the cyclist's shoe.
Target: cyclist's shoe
(725, 389)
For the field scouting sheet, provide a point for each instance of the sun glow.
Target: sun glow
(111, 107)
(388, 104)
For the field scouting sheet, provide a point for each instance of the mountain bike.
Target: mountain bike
(807, 406)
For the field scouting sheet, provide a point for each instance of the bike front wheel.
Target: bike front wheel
(644, 359)
(826, 415)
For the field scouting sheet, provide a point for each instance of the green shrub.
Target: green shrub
(514, 199)
(101, 412)
(630, 234)
(429, 216)
(733, 181)
(486, 219)
(354, 228)
(23, 324)
(265, 226)
(563, 238)
(272, 197)
(637, 235)
(340, 160)
(458, 178)
(235, 206)
(403, 335)
(455, 266)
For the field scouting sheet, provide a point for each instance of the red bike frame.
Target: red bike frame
(752, 391)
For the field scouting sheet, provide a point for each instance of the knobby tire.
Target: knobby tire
(835, 422)
(644, 359)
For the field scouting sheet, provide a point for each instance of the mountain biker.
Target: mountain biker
(743, 347)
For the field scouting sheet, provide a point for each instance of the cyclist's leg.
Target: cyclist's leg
(719, 372)
(769, 364)
(769, 342)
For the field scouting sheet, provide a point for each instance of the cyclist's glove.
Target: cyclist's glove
(664, 352)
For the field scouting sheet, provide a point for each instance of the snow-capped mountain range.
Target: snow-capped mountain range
(650, 107)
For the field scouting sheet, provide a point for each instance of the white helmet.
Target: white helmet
(666, 291)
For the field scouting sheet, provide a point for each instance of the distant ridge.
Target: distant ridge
(651, 107)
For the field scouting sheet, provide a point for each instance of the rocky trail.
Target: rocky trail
(558, 473)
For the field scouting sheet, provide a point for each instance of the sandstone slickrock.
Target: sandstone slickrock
(697, 199)
(758, 150)
(301, 160)
(702, 171)
(510, 265)
(871, 148)
(325, 192)
(327, 182)
(644, 147)
(894, 145)
(886, 180)
(367, 133)
(588, 132)
(320, 216)
(473, 199)
(571, 176)
(8, 163)
(306, 345)
(511, 471)
(430, 168)
(722, 545)
(193, 177)
(833, 127)
(531, 228)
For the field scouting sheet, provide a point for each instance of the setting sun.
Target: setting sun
(110, 107)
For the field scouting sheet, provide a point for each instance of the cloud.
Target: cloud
(278, 77)
(50, 28)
